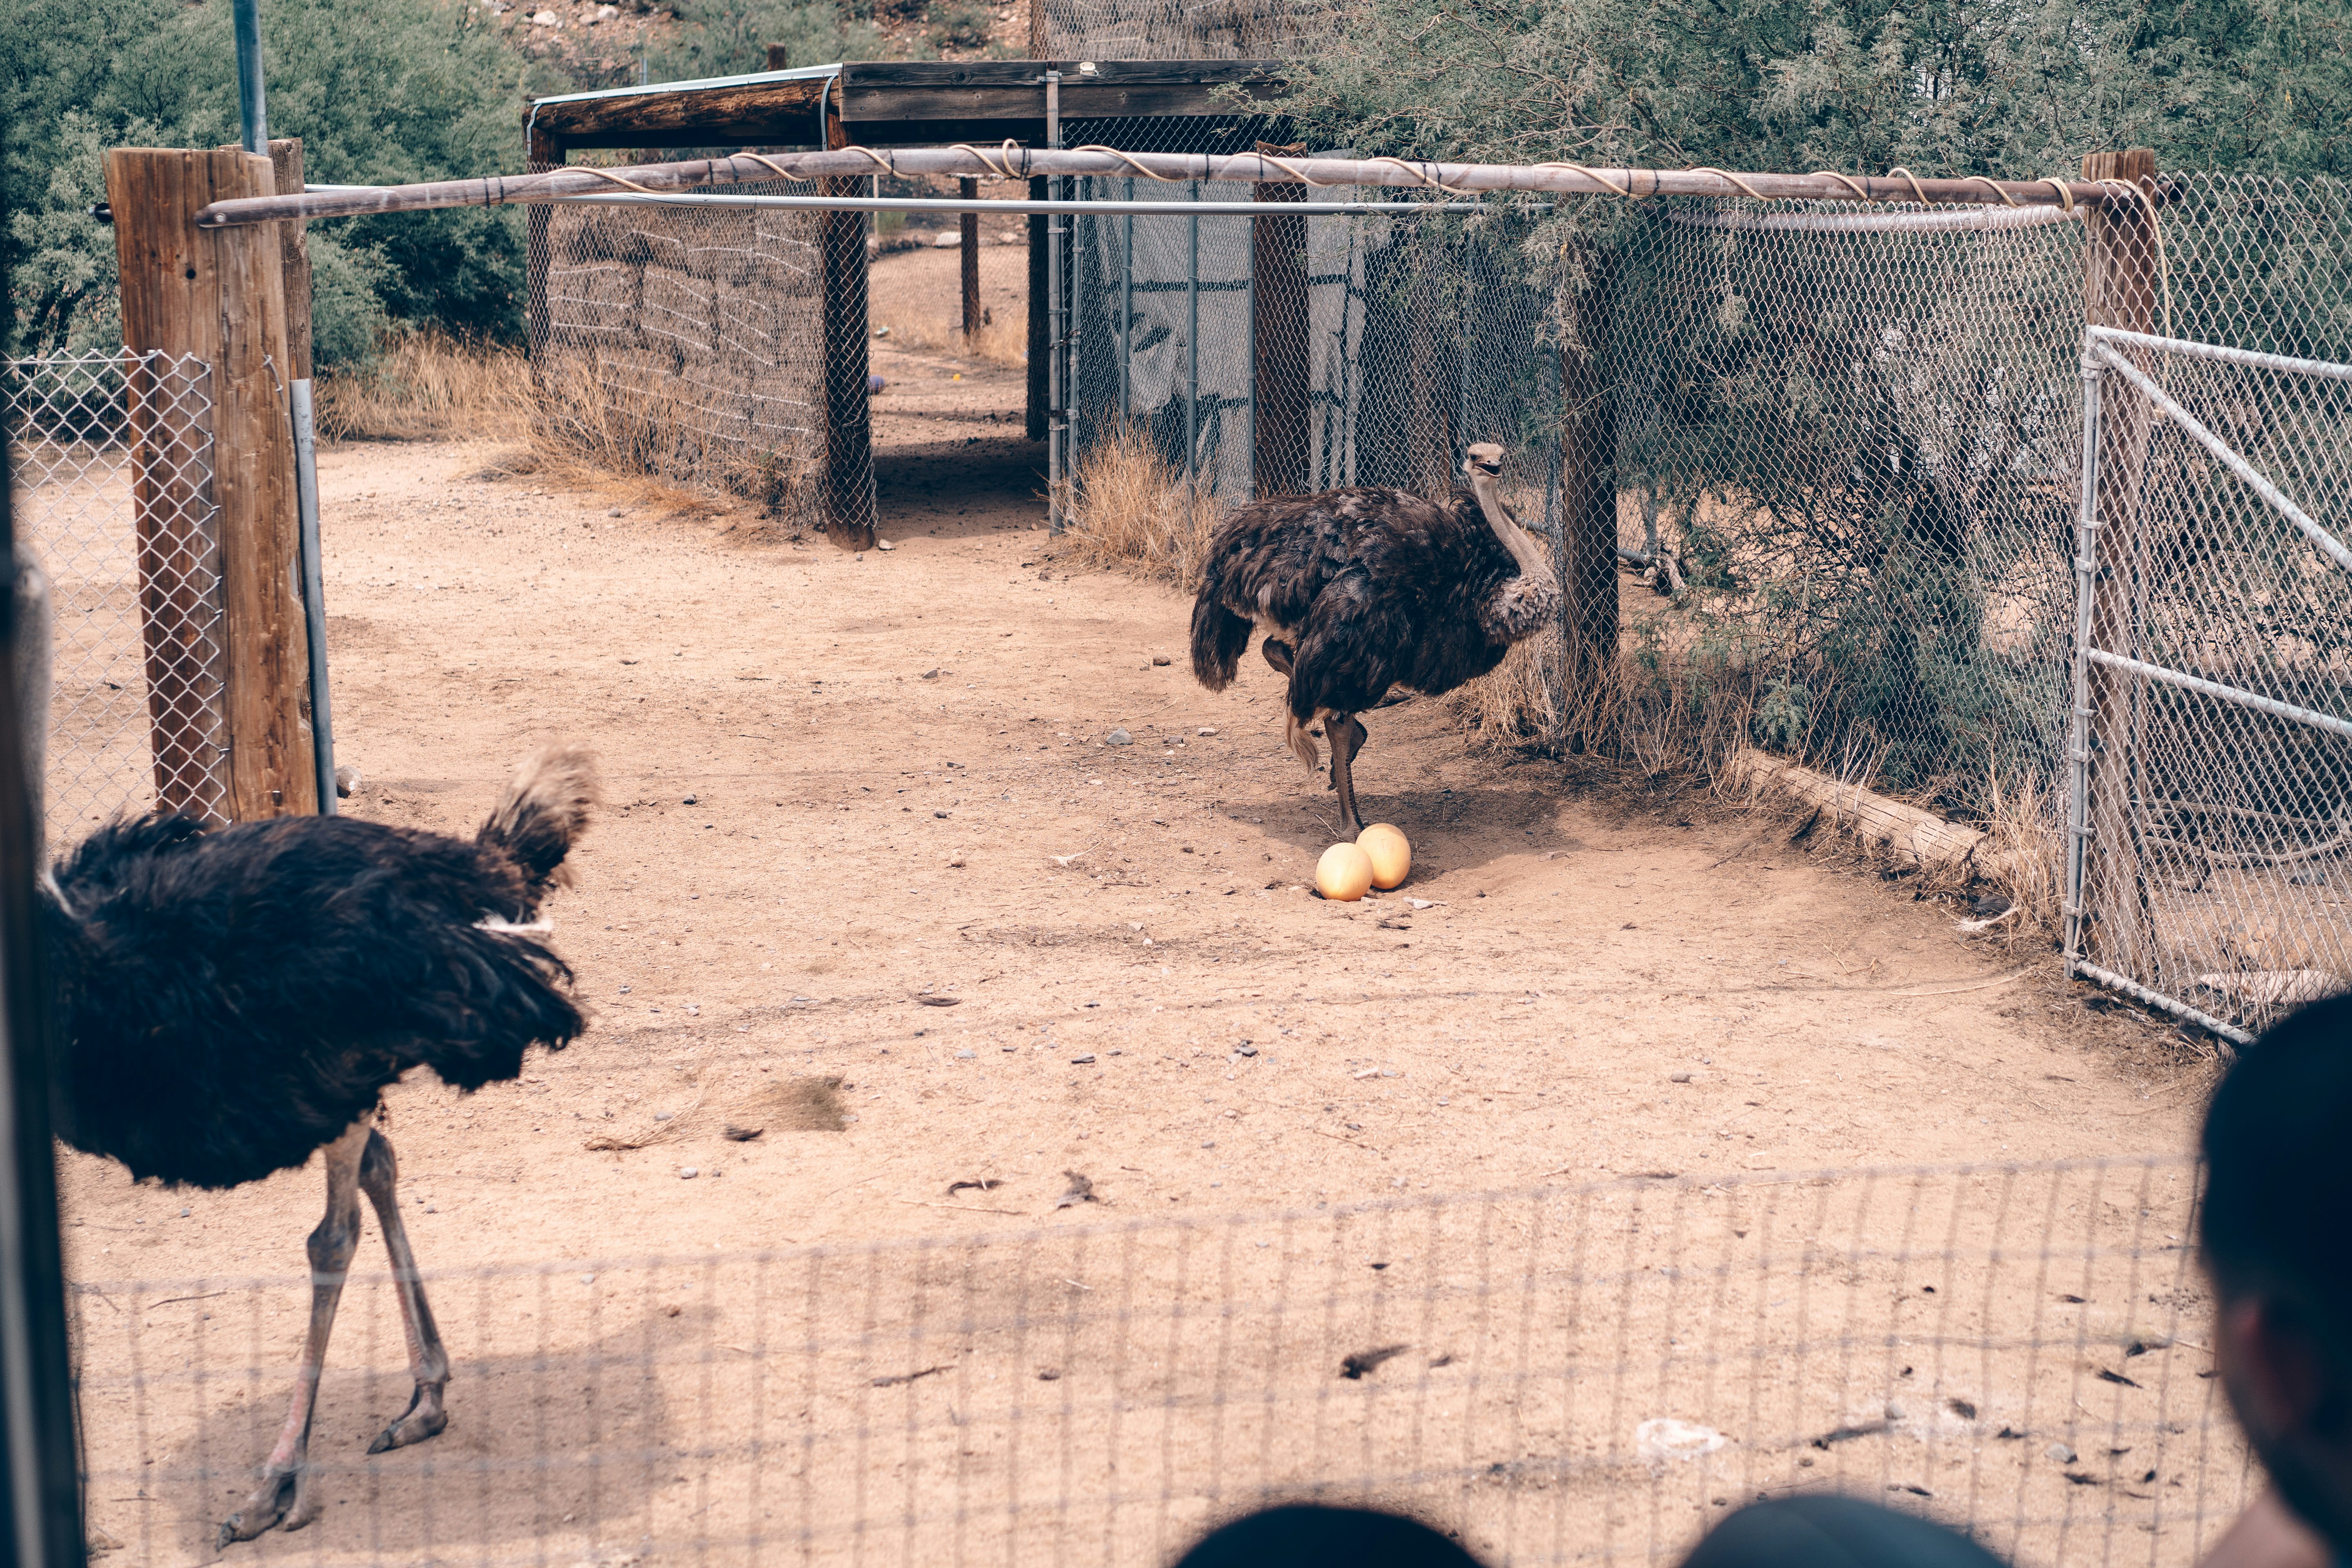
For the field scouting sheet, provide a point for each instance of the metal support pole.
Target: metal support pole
(2078, 725)
(1192, 348)
(314, 590)
(1249, 366)
(1126, 311)
(251, 110)
(1057, 417)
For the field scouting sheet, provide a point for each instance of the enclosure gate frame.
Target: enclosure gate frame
(2087, 764)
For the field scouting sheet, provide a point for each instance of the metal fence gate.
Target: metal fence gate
(2210, 763)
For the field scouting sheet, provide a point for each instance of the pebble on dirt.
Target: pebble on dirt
(687, 1172)
(347, 780)
(1205, 730)
(1159, 658)
(1118, 738)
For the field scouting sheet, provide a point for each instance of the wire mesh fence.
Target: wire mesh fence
(690, 343)
(1185, 29)
(113, 460)
(2213, 772)
(1587, 1374)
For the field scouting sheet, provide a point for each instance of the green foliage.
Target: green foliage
(408, 89)
(730, 37)
(1944, 87)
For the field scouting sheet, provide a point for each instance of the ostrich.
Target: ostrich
(1360, 590)
(225, 1003)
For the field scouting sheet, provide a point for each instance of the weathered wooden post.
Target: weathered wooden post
(1278, 337)
(968, 227)
(1587, 504)
(230, 740)
(2119, 290)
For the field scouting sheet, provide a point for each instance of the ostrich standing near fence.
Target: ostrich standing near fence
(225, 1002)
(1360, 590)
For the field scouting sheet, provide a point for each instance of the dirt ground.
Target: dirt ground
(863, 821)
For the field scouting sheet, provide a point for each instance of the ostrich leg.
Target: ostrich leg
(424, 1416)
(1347, 737)
(285, 1491)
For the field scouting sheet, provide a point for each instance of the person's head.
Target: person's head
(2276, 1233)
(1313, 1535)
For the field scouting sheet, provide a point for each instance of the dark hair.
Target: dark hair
(1311, 1535)
(2278, 1150)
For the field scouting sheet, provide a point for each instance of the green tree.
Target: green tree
(401, 90)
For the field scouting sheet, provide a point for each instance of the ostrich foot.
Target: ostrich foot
(263, 1507)
(424, 1418)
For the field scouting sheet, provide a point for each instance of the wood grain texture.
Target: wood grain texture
(1920, 837)
(220, 297)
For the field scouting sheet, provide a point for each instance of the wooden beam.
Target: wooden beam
(783, 111)
(2119, 290)
(1917, 837)
(1588, 510)
(968, 237)
(1278, 339)
(231, 685)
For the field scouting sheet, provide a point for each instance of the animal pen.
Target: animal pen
(1837, 429)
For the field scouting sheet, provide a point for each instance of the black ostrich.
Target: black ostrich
(227, 1002)
(1361, 590)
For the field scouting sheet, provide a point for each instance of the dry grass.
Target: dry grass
(999, 342)
(2025, 859)
(614, 432)
(425, 386)
(1130, 508)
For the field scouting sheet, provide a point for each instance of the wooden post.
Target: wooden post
(219, 296)
(1278, 338)
(2119, 290)
(545, 152)
(969, 228)
(294, 254)
(779, 57)
(1040, 330)
(1587, 508)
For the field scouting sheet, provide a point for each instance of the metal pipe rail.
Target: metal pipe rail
(1090, 209)
(1023, 163)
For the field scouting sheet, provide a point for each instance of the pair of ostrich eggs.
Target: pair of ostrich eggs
(1380, 858)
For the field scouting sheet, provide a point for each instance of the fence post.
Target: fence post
(1040, 337)
(1278, 337)
(286, 169)
(968, 225)
(545, 151)
(219, 295)
(2119, 290)
(1588, 503)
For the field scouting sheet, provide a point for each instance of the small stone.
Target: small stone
(545, 19)
(663, 1115)
(883, 544)
(1205, 730)
(875, 384)
(942, 815)
(1245, 1049)
(184, 1214)
(963, 1056)
(347, 780)
(587, 1279)
(948, 239)
(612, 511)
(687, 1172)
(689, 800)
(1159, 658)
(1082, 1061)
(1118, 738)
(931, 674)
(2060, 1452)
(1678, 1078)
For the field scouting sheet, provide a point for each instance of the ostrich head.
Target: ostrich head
(1484, 461)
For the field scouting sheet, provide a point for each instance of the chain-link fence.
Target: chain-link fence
(113, 460)
(1589, 1374)
(690, 343)
(1185, 29)
(2212, 784)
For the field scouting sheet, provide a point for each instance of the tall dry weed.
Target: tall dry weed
(1002, 342)
(1130, 508)
(425, 386)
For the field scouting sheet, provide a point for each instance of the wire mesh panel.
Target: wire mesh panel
(112, 455)
(2215, 801)
(1587, 1374)
(1185, 29)
(692, 342)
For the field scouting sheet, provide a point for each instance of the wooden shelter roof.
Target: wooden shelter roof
(886, 103)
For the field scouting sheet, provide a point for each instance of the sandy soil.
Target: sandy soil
(863, 822)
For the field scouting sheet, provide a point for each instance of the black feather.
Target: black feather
(227, 1002)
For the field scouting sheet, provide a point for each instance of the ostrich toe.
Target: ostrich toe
(263, 1507)
(424, 1418)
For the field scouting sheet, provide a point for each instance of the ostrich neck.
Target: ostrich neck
(1512, 537)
